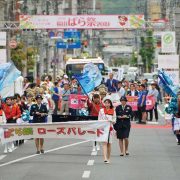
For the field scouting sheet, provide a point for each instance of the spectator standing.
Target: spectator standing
(142, 104)
(153, 92)
(111, 84)
(65, 98)
(121, 90)
(55, 97)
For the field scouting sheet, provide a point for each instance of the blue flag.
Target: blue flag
(90, 78)
(166, 83)
(8, 74)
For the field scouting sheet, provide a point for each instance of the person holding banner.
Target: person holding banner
(39, 112)
(12, 113)
(123, 125)
(107, 113)
(94, 107)
(153, 92)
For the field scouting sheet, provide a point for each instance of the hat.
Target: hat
(65, 76)
(123, 98)
(153, 83)
(39, 97)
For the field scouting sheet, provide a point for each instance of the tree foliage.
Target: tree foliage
(147, 50)
(23, 56)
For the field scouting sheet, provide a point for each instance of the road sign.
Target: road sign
(71, 40)
(12, 44)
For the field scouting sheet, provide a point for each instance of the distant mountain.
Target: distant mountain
(118, 6)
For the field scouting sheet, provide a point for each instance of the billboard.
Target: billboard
(168, 41)
(170, 63)
(71, 40)
(81, 21)
(2, 38)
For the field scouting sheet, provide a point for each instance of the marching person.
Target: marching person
(12, 113)
(107, 113)
(94, 107)
(123, 125)
(39, 112)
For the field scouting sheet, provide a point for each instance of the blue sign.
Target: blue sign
(71, 40)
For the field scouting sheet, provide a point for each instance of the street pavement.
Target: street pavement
(154, 155)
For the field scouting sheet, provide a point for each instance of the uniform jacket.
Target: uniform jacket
(35, 108)
(123, 122)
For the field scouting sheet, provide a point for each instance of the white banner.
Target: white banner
(3, 56)
(2, 38)
(170, 63)
(89, 130)
(81, 21)
(168, 41)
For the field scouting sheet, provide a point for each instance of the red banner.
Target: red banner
(77, 101)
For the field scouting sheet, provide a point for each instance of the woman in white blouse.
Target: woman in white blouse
(107, 113)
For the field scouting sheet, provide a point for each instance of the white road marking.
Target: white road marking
(86, 174)
(34, 155)
(152, 122)
(2, 156)
(94, 153)
(90, 163)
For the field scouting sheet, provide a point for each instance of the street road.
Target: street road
(153, 155)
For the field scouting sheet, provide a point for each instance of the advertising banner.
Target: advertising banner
(89, 130)
(170, 63)
(2, 38)
(77, 101)
(71, 40)
(168, 41)
(81, 21)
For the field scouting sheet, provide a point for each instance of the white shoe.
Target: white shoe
(98, 148)
(12, 146)
(94, 149)
(10, 150)
(5, 151)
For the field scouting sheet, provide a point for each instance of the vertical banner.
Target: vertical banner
(2, 38)
(170, 63)
(168, 40)
(3, 56)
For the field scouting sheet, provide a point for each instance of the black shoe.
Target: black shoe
(127, 154)
(42, 151)
(37, 152)
(121, 154)
(178, 143)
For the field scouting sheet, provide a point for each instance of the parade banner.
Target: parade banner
(77, 101)
(2, 38)
(168, 41)
(89, 130)
(132, 101)
(81, 21)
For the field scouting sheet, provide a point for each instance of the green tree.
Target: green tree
(22, 56)
(147, 50)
